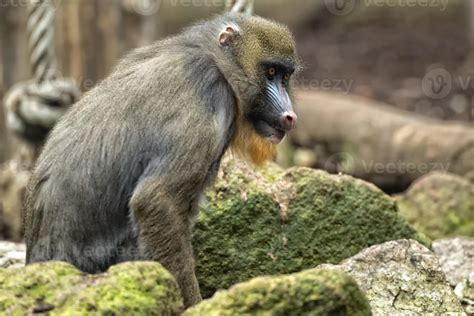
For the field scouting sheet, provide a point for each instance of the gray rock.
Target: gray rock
(465, 291)
(12, 255)
(439, 205)
(456, 256)
(401, 278)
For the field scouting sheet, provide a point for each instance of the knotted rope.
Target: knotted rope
(33, 107)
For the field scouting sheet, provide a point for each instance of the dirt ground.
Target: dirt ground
(415, 59)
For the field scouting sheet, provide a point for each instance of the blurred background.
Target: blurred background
(386, 93)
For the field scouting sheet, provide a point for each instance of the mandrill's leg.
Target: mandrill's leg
(164, 221)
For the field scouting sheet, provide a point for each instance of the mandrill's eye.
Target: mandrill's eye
(272, 71)
(287, 77)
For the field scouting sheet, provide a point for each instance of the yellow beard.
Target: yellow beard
(250, 146)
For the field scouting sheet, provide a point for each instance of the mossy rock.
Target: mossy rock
(465, 292)
(401, 278)
(24, 289)
(274, 222)
(137, 288)
(312, 292)
(440, 205)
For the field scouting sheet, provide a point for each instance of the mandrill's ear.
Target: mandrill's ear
(229, 35)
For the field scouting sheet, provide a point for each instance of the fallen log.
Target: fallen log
(379, 143)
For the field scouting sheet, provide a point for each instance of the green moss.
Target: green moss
(133, 288)
(127, 289)
(329, 219)
(440, 205)
(20, 289)
(312, 292)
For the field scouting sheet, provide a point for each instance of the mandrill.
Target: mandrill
(121, 174)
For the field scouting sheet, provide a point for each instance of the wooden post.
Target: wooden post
(472, 23)
(89, 39)
(14, 60)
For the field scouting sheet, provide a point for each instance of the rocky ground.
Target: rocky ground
(301, 241)
(295, 242)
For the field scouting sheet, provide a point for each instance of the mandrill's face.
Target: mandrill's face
(265, 58)
(266, 52)
(272, 116)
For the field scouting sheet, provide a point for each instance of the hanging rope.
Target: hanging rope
(33, 107)
(41, 39)
(240, 6)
